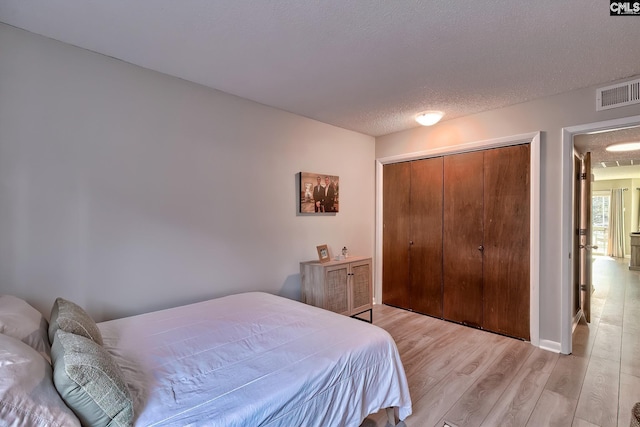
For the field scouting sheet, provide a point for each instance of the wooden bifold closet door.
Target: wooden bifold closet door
(412, 236)
(463, 238)
(395, 234)
(425, 242)
(506, 240)
(456, 238)
(486, 239)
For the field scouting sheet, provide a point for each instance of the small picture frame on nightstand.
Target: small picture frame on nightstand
(323, 253)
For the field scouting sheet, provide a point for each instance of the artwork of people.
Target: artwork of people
(319, 193)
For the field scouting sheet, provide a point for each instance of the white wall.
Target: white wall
(548, 115)
(127, 190)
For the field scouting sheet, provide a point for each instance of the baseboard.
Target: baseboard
(553, 346)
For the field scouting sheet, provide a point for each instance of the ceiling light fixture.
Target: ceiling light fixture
(624, 146)
(429, 118)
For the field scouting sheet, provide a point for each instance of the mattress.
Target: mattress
(255, 359)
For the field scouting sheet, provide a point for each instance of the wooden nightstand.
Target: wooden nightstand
(344, 286)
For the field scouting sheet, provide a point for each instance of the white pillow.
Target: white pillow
(20, 320)
(27, 394)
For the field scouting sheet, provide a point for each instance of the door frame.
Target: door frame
(534, 222)
(566, 293)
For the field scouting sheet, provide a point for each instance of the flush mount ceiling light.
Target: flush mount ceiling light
(429, 118)
(624, 146)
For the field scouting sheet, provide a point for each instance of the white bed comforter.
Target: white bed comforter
(256, 359)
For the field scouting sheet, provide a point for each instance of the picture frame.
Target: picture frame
(319, 193)
(323, 253)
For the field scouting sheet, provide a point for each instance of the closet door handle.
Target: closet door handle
(410, 242)
(481, 248)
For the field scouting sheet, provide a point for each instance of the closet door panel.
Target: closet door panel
(463, 238)
(425, 249)
(506, 237)
(395, 234)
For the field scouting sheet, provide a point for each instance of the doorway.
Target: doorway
(568, 295)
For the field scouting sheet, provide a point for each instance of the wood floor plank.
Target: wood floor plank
(608, 342)
(413, 331)
(567, 376)
(552, 410)
(446, 351)
(579, 422)
(611, 313)
(597, 306)
(629, 395)
(633, 291)
(475, 403)
(631, 321)
(432, 331)
(434, 404)
(383, 314)
(583, 338)
(406, 332)
(517, 402)
(630, 359)
(598, 402)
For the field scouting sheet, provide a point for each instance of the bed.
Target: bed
(251, 359)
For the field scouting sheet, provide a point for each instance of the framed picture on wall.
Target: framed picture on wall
(319, 193)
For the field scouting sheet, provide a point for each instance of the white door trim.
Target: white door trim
(566, 295)
(534, 225)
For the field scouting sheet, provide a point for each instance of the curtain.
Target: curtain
(634, 193)
(616, 224)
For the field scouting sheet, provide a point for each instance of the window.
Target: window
(600, 221)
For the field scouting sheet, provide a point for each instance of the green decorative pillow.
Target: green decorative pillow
(72, 318)
(90, 382)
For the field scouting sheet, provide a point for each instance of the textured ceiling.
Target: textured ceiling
(607, 165)
(364, 65)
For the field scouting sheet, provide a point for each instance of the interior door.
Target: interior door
(463, 238)
(585, 236)
(575, 259)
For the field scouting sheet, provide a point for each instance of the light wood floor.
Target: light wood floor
(468, 377)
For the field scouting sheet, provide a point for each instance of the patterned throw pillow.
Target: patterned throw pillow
(90, 381)
(21, 321)
(72, 318)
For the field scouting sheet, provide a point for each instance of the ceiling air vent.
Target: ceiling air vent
(619, 95)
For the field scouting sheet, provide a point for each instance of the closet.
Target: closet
(456, 238)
